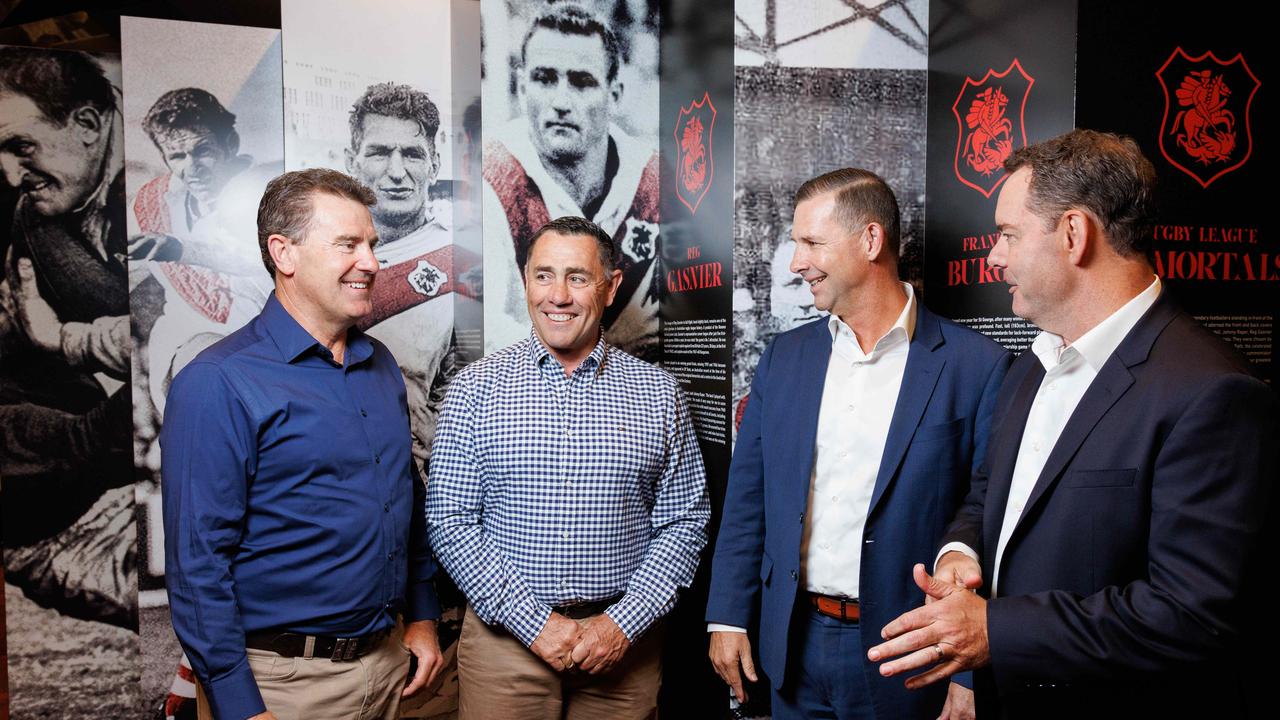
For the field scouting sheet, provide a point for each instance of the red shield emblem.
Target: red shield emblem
(1205, 132)
(696, 167)
(989, 123)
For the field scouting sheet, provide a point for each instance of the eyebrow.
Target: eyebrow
(567, 271)
(355, 239)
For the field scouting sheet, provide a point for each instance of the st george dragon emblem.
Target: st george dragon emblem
(989, 122)
(696, 167)
(1206, 132)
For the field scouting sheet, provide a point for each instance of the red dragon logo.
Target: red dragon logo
(696, 168)
(985, 132)
(1204, 139)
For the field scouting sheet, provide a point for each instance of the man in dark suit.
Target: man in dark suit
(1127, 475)
(856, 446)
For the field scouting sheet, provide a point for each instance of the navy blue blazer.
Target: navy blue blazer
(1121, 587)
(937, 435)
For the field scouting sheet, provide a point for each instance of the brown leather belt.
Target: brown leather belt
(337, 649)
(838, 608)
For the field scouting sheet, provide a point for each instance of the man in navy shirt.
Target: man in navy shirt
(294, 515)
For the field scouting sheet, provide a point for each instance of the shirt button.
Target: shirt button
(802, 518)
(835, 498)
(565, 535)
(793, 575)
(386, 507)
(363, 413)
(391, 555)
(377, 459)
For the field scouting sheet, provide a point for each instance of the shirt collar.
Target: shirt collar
(903, 328)
(540, 354)
(1097, 345)
(294, 341)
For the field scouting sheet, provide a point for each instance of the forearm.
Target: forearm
(100, 345)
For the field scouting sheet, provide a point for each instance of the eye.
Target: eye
(542, 278)
(583, 80)
(579, 281)
(542, 76)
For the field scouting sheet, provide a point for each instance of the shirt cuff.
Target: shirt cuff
(957, 547)
(632, 615)
(421, 602)
(527, 619)
(235, 696)
(717, 627)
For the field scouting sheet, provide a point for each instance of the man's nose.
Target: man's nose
(395, 165)
(798, 261)
(999, 254)
(13, 169)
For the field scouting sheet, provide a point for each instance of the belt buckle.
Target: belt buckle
(344, 649)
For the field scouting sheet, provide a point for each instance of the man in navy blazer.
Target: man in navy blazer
(856, 446)
(1116, 524)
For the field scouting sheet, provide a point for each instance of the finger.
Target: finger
(940, 672)
(748, 667)
(738, 691)
(419, 678)
(924, 638)
(923, 657)
(932, 587)
(437, 665)
(906, 622)
(579, 653)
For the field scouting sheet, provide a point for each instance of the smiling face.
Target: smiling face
(1035, 261)
(55, 168)
(199, 159)
(567, 289)
(329, 276)
(828, 256)
(399, 163)
(568, 97)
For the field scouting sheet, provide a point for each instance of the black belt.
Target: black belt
(579, 611)
(337, 649)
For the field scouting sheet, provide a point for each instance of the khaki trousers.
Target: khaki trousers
(297, 688)
(501, 679)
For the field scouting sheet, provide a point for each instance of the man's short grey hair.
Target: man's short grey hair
(287, 207)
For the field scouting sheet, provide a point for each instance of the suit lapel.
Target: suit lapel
(1002, 456)
(919, 378)
(1113, 380)
(806, 394)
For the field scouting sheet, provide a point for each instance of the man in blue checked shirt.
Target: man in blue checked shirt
(568, 501)
(293, 512)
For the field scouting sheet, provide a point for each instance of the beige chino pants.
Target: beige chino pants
(294, 688)
(501, 679)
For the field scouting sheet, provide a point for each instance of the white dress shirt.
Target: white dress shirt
(859, 395)
(1069, 370)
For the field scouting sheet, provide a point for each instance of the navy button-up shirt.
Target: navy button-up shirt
(291, 500)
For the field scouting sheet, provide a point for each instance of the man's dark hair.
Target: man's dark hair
(57, 81)
(571, 225)
(286, 206)
(862, 197)
(570, 19)
(397, 101)
(190, 109)
(1102, 173)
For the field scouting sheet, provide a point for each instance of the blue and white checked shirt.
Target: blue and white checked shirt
(548, 489)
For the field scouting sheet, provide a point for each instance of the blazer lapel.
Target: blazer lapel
(1002, 456)
(1113, 380)
(919, 378)
(805, 392)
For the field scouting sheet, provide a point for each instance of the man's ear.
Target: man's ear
(283, 251)
(1080, 232)
(89, 124)
(615, 91)
(875, 240)
(615, 281)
